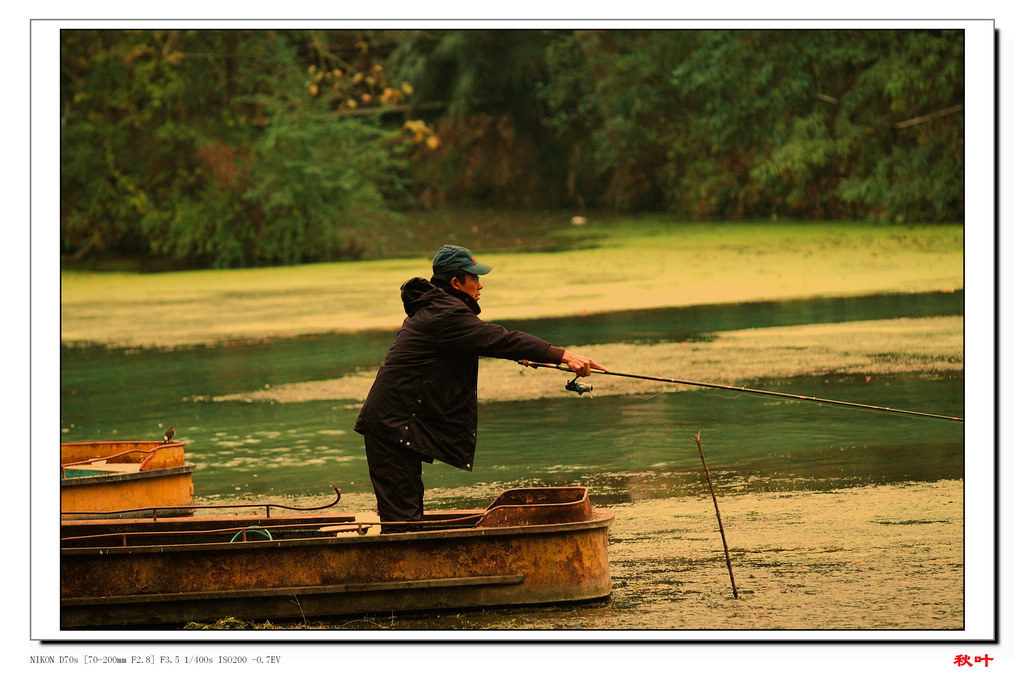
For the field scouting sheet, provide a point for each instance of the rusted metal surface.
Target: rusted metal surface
(540, 505)
(299, 571)
(157, 511)
(188, 530)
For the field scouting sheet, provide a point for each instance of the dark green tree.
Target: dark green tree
(823, 124)
(801, 123)
(482, 83)
(609, 100)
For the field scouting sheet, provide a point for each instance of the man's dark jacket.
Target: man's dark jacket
(424, 396)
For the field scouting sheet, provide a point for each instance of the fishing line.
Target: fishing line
(574, 386)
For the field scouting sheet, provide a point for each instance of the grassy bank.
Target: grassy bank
(607, 265)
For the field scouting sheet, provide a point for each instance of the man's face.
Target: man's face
(471, 286)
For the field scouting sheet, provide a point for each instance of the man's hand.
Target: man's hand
(580, 364)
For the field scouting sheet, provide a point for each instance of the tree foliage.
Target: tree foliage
(803, 123)
(254, 147)
(221, 148)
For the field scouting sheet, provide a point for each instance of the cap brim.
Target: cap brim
(478, 268)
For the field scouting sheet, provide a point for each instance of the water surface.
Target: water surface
(636, 453)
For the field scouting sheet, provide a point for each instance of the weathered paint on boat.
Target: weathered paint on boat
(530, 546)
(103, 477)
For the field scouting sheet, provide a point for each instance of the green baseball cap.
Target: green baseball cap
(454, 258)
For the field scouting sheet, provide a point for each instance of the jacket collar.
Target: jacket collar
(418, 293)
(470, 302)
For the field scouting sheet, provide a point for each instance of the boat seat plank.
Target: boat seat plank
(102, 468)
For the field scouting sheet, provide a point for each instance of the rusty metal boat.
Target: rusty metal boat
(99, 476)
(530, 546)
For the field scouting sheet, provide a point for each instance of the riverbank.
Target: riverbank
(638, 264)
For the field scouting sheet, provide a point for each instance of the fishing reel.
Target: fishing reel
(579, 388)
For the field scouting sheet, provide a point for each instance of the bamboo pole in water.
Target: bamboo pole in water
(721, 527)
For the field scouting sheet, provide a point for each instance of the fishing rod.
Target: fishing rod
(580, 389)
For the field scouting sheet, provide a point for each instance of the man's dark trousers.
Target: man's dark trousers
(396, 475)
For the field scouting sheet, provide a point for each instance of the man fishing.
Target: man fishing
(423, 403)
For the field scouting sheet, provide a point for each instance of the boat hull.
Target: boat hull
(117, 478)
(264, 577)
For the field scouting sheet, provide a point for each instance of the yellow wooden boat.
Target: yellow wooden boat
(104, 478)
